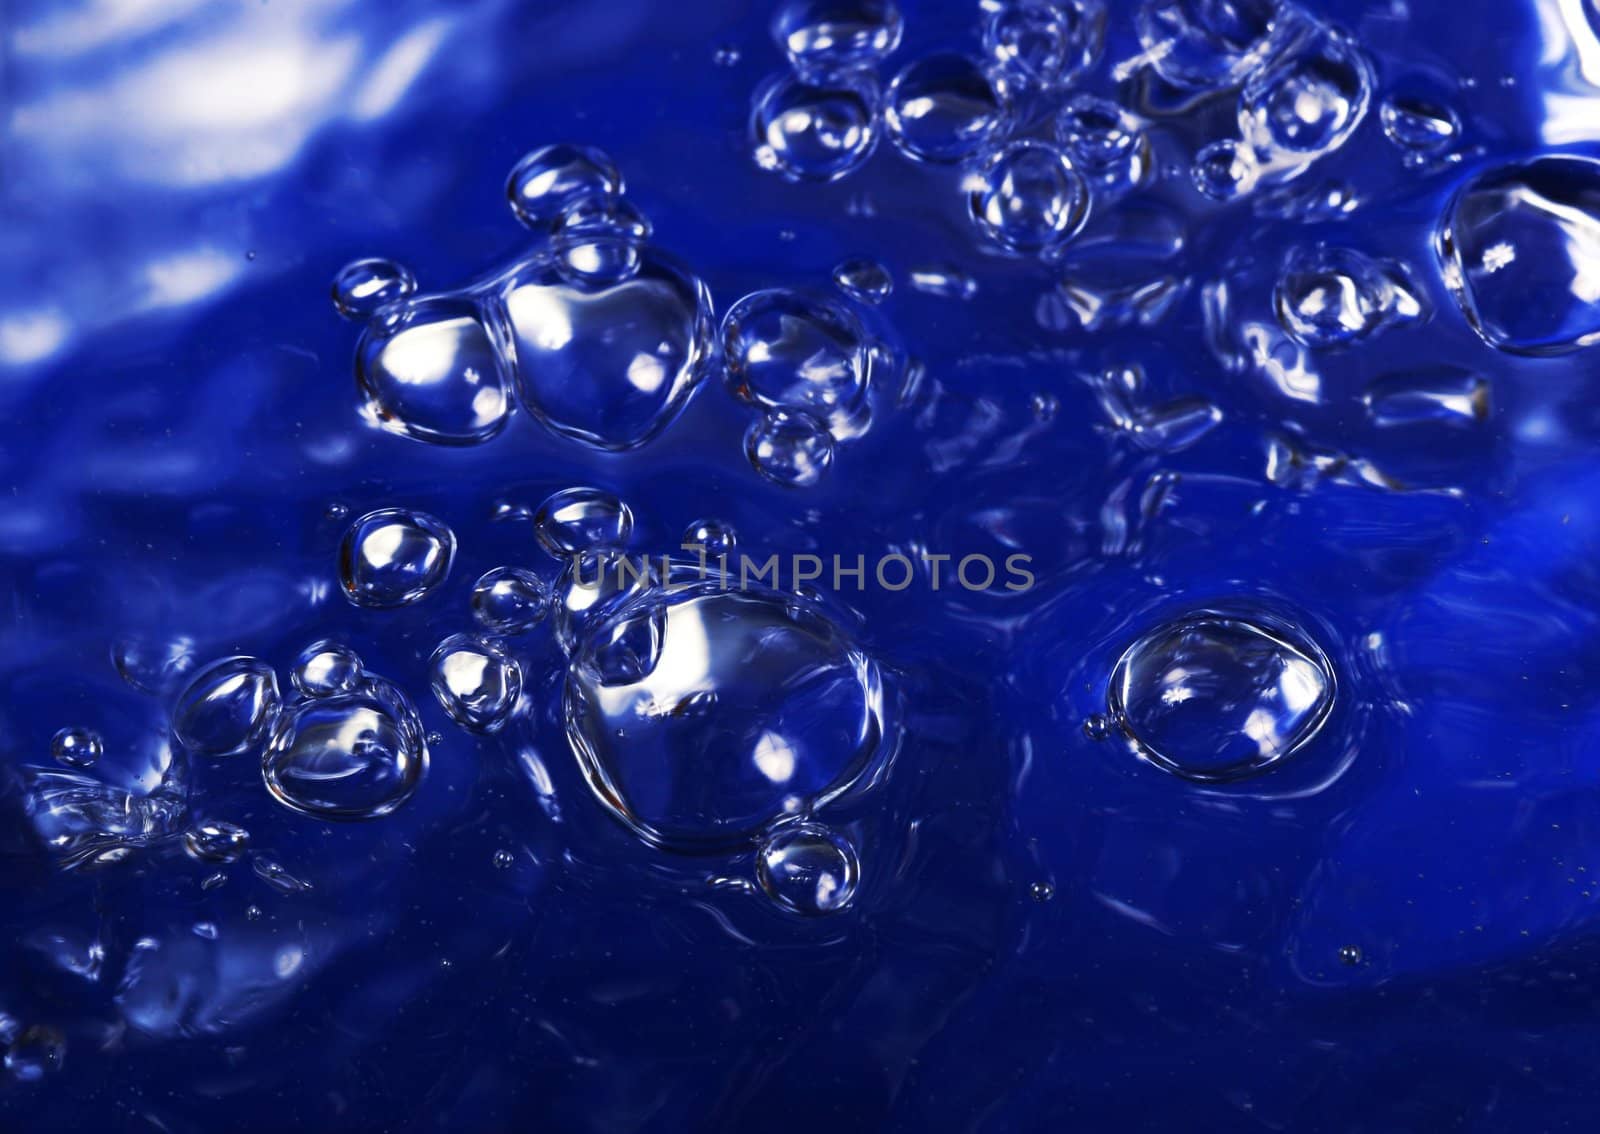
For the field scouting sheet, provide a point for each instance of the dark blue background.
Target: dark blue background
(177, 416)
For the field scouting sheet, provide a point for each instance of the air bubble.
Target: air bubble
(324, 668)
(509, 600)
(365, 287)
(701, 715)
(550, 180)
(1105, 143)
(76, 747)
(793, 350)
(715, 536)
(600, 240)
(865, 281)
(1212, 697)
(1042, 891)
(820, 129)
(1044, 44)
(1224, 170)
(1307, 102)
(789, 447)
(943, 108)
(1520, 251)
(1332, 296)
(394, 557)
(431, 371)
(1350, 955)
(582, 519)
(837, 35)
(216, 841)
(476, 682)
(504, 859)
(1028, 198)
(606, 363)
(1418, 126)
(355, 755)
(228, 709)
(807, 869)
(1207, 45)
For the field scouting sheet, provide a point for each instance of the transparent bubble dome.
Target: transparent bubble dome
(1214, 697)
(700, 716)
(1520, 250)
(353, 755)
(608, 363)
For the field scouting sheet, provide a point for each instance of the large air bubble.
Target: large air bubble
(703, 714)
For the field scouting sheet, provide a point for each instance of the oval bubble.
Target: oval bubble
(215, 840)
(394, 557)
(789, 447)
(582, 519)
(326, 667)
(814, 129)
(807, 869)
(548, 181)
(701, 715)
(76, 747)
(1028, 198)
(607, 363)
(1307, 102)
(1213, 697)
(355, 755)
(837, 35)
(1524, 230)
(1328, 297)
(431, 371)
(365, 287)
(943, 108)
(476, 682)
(509, 600)
(228, 708)
(865, 281)
(1106, 144)
(790, 349)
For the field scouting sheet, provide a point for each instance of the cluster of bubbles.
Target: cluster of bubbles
(706, 719)
(345, 744)
(1303, 85)
(598, 336)
(1028, 196)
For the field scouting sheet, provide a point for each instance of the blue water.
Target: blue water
(1272, 804)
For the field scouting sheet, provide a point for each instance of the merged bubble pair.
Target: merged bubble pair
(806, 362)
(596, 335)
(348, 745)
(1304, 85)
(819, 121)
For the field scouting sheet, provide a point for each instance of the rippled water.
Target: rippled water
(980, 566)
